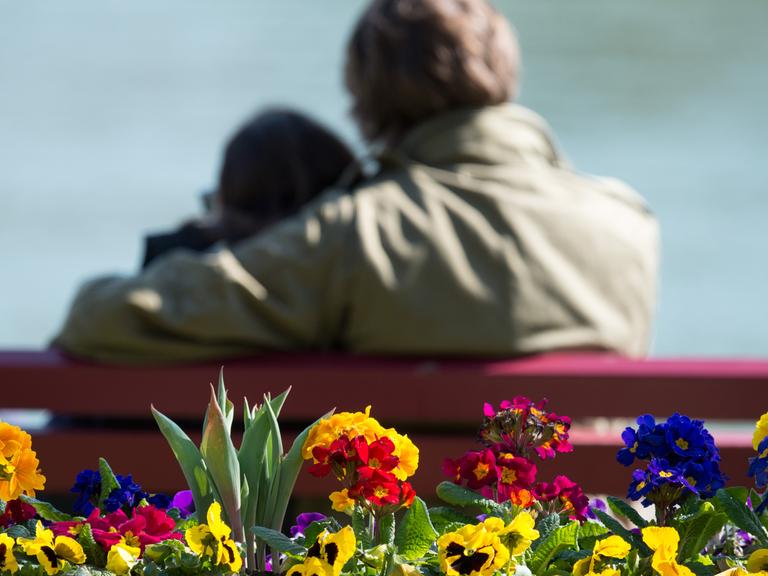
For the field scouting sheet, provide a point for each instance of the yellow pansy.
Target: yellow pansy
(472, 550)
(663, 541)
(310, 567)
(761, 431)
(518, 534)
(52, 553)
(7, 559)
(612, 547)
(213, 540)
(757, 563)
(341, 502)
(122, 557)
(334, 548)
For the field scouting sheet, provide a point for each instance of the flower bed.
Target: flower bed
(497, 516)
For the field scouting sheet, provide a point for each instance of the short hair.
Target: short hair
(408, 60)
(277, 162)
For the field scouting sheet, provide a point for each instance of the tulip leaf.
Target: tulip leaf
(45, 510)
(415, 534)
(460, 496)
(698, 532)
(620, 508)
(108, 481)
(190, 461)
(278, 541)
(562, 538)
(223, 466)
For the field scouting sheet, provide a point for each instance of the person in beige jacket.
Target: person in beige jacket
(474, 238)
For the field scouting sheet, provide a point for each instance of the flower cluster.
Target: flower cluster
(54, 553)
(212, 540)
(371, 461)
(125, 497)
(682, 458)
(758, 465)
(522, 427)
(513, 435)
(19, 466)
(482, 549)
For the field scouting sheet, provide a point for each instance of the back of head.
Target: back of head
(409, 60)
(277, 162)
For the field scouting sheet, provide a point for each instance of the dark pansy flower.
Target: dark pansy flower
(16, 512)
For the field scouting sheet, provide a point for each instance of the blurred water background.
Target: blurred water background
(113, 115)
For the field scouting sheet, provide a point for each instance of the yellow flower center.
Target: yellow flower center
(640, 485)
(374, 463)
(481, 470)
(380, 491)
(682, 444)
(691, 480)
(508, 476)
(131, 540)
(634, 447)
(665, 474)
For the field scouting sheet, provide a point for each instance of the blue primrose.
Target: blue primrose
(688, 439)
(647, 441)
(758, 466)
(87, 487)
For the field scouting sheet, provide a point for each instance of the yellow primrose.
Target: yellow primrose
(761, 431)
(518, 534)
(213, 540)
(122, 557)
(334, 548)
(341, 502)
(757, 563)
(585, 567)
(7, 559)
(52, 553)
(472, 550)
(407, 452)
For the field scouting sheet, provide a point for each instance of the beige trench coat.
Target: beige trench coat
(475, 239)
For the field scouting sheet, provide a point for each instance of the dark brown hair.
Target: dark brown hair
(408, 60)
(279, 161)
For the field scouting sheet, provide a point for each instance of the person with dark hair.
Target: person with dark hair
(273, 165)
(474, 238)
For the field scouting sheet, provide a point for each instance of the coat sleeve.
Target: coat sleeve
(283, 289)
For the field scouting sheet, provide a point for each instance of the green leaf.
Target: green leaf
(220, 458)
(698, 532)
(313, 530)
(591, 529)
(190, 461)
(415, 534)
(702, 569)
(620, 508)
(460, 496)
(615, 526)
(545, 525)
(45, 510)
(740, 515)
(561, 539)
(443, 517)
(279, 541)
(19, 531)
(93, 552)
(108, 481)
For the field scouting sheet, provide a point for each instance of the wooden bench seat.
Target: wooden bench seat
(100, 410)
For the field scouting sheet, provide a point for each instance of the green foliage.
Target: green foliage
(545, 525)
(45, 510)
(278, 541)
(445, 519)
(695, 534)
(615, 526)
(620, 508)
(108, 481)
(464, 497)
(415, 535)
(741, 515)
(560, 539)
(93, 552)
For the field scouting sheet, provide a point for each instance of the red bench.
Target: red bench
(104, 410)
